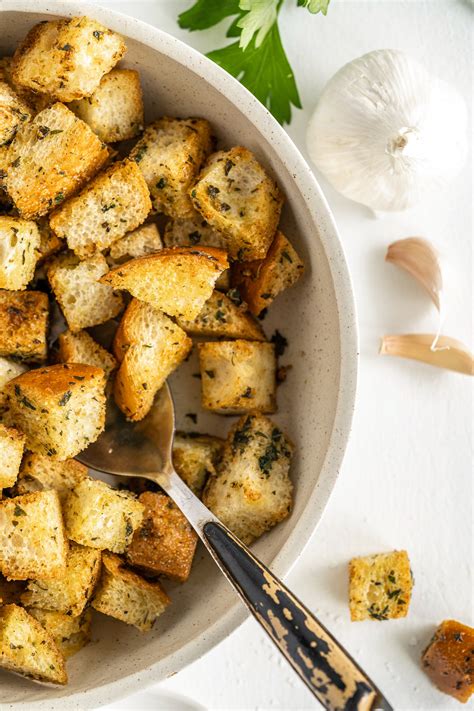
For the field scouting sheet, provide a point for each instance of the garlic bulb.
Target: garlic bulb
(385, 132)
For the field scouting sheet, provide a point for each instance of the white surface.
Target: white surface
(406, 481)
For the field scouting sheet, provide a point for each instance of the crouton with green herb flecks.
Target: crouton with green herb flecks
(170, 155)
(67, 58)
(9, 369)
(12, 444)
(27, 648)
(195, 457)
(142, 241)
(49, 159)
(128, 597)
(101, 517)
(260, 281)
(448, 660)
(70, 634)
(235, 195)
(13, 112)
(220, 317)
(60, 408)
(252, 490)
(19, 245)
(84, 301)
(24, 320)
(380, 586)
(38, 472)
(81, 348)
(33, 543)
(238, 376)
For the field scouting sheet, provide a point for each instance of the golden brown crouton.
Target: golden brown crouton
(19, 245)
(252, 490)
(49, 242)
(50, 158)
(66, 58)
(70, 634)
(236, 196)
(39, 472)
(9, 369)
(238, 376)
(12, 444)
(178, 280)
(24, 317)
(448, 660)
(13, 112)
(195, 457)
(142, 241)
(220, 317)
(170, 154)
(380, 586)
(111, 205)
(81, 348)
(260, 281)
(165, 542)
(128, 597)
(60, 408)
(32, 538)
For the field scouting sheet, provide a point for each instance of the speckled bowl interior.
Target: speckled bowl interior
(314, 405)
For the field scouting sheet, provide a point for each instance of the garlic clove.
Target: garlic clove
(419, 258)
(449, 353)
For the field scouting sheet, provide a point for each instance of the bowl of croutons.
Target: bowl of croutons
(156, 224)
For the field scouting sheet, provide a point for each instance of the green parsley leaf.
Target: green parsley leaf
(207, 13)
(258, 20)
(315, 6)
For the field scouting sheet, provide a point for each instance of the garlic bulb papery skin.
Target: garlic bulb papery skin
(385, 132)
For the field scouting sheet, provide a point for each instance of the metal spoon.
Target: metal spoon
(144, 449)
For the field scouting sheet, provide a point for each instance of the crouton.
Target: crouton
(195, 457)
(81, 348)
(139, 243)
(178, 280)
(27, 648)
(60, 408)
(66, 59)
(111, 205)
(19, 245)
(101, 517)
(128, 597)
(238, 376)
(13, 112)
(83, 299)
(50, 158)
(170, 155)
(380, 586)
(260, 281)
(114, 111)
(9, 369)
(12, 444)
(35, 102)
(221, 318)
(448, 660)
(24, 318)
(149, 346)
(252, 490)
(49, 242)
(39, 472)
(70, 634)
(165, 542)
(10, 590)
(32, 538)
(236, 196)
(71, 592)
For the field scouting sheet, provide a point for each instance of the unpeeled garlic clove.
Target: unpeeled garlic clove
(419, 258)
(449, 353)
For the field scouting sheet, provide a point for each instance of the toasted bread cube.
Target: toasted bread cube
(235, 195)
(195, 457)
(238, 376)
(10, 591)
(24, 317)
(49, 242)
(165, 542)
(111, 205)
(178, 280)
(221, 318)
(60, 408)
(81, 348)
(252, 490)
(128, 597)
(50, 158)
(19, 245)
(83, 299)
(139, 243)
(71, 592)
(70, 634)
(260, 281)
(67, 58)
(114, 111)
(149, 346)
(27, 648)
(12, 444)
(101, 517)
(380, 586)
(13, 112)
(35, 102)
(9, 369)
(32, 538)
(448, 660)
(170, 154)
(39, 472)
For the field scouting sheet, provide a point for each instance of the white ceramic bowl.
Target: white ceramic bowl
(315, 403)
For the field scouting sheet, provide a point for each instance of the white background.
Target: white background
(406, 480)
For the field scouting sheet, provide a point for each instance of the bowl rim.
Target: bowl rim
(320, 211)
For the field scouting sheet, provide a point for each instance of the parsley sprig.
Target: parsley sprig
(257, 59)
